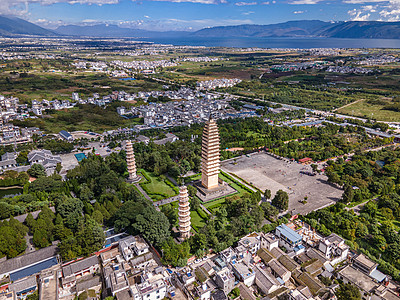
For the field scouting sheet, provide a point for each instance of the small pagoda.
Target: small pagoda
(130, 160)
(184, 213)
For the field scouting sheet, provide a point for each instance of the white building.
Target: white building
(334, 248)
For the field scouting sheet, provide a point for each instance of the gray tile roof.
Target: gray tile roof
(80, 265)
(24, 284)
(27, 259)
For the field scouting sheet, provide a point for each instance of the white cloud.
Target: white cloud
(299, 12)
(265, 3)
(20, 7)
(193, 1)
(248, 13)
(301, 2)
(245, 3)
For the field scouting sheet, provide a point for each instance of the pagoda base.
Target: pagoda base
(134, 179)
(205, 195)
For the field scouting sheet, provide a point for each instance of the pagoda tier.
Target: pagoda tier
(184, 213)
(210, 155)
(130, 160)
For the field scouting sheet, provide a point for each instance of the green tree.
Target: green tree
(191, 190)
(348, 194)
(37, 171)
(269, 210)
(267, 194)
(281, 200)
(348, 292)
(22, 158)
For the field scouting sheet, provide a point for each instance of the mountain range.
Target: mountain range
(12, 26)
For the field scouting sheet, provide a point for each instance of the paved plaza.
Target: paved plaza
(266, 172)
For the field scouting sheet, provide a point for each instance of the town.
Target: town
(137, 170)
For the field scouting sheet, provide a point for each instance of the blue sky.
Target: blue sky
(195, 14)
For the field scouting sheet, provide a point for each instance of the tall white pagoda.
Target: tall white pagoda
(184, 213)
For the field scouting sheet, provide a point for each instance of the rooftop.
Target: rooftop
(365, 261)
(289, 233)
(358, 278)
(288, 263)
(26, 260)
(80, 265)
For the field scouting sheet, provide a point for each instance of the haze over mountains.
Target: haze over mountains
(12, 26)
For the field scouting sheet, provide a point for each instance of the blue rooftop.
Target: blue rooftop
(34, 269)
(289, 233)
(65, 133)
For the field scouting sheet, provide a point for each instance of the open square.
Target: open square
(266, 172)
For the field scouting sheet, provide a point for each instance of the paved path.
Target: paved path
(143, 192)
(205, 209)
(29, 243)
(336, 109)
(166, 201)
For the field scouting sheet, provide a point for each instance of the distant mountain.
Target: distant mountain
(350, 29)
(364, 29)
(104, 30)
(287, 29)
(12, 26)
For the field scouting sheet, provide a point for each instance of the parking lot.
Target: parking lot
(267, 172)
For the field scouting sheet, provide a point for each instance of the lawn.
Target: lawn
(367, 110)
(196, 220)
(214, 205)
(156, 187)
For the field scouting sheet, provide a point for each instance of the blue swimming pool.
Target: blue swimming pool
(80, 156)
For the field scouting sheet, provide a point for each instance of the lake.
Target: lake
(10, 191)
(301, 43)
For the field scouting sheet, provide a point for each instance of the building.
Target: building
(358, 278)
(184, 213)
(210, 152)
(66, 136)
(81, 268)
(24, 287)
(243, 272)
(288, 238)
(8, 161)
(279, 271)
(334, 248)
(266, 282)
(269, 241)
(44, 158)
(130, 160)
(29, 264)
(77, 273)
(367, 266)
(225, 280)
(132, 246)
(252, 242)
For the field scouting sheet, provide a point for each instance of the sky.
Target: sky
(195, 14)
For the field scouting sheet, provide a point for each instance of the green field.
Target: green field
(84, 117)
(156, 187)
(368, 110)
(196, 220)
